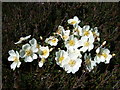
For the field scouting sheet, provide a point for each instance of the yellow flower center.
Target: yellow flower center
(99, 55)
(15, 59)
(53, 40)
(61, 59)
(72, 63)
(86, 44)
(94, 34)
(73, 22)
(28, 52)
(65, 37)
(105, 55)
(44, 52)
(86, 33)
(42, 60)
(87, 61)
(37, 46)
(71, 42)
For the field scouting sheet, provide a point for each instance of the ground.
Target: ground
(42, 19)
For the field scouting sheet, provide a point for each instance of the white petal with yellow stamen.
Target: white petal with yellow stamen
(72, 43)
(61, 55)
(86, 43)
(28, 53)
(14, 56)
(52, 41)
(44, 52)
(65, 35)
(72, 65)
(86, 31)
(103, 55)
(74, 21)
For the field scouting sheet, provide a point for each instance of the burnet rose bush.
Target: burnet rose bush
(80, 47)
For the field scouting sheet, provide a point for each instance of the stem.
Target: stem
(16, 78)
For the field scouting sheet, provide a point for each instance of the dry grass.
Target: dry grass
(21, 19)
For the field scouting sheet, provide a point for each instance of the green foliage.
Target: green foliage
(42, 19)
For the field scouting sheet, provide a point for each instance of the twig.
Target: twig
(16, 79)
(116, 85)
(80, 79)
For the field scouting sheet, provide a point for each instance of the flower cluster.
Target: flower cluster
(79, 43)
